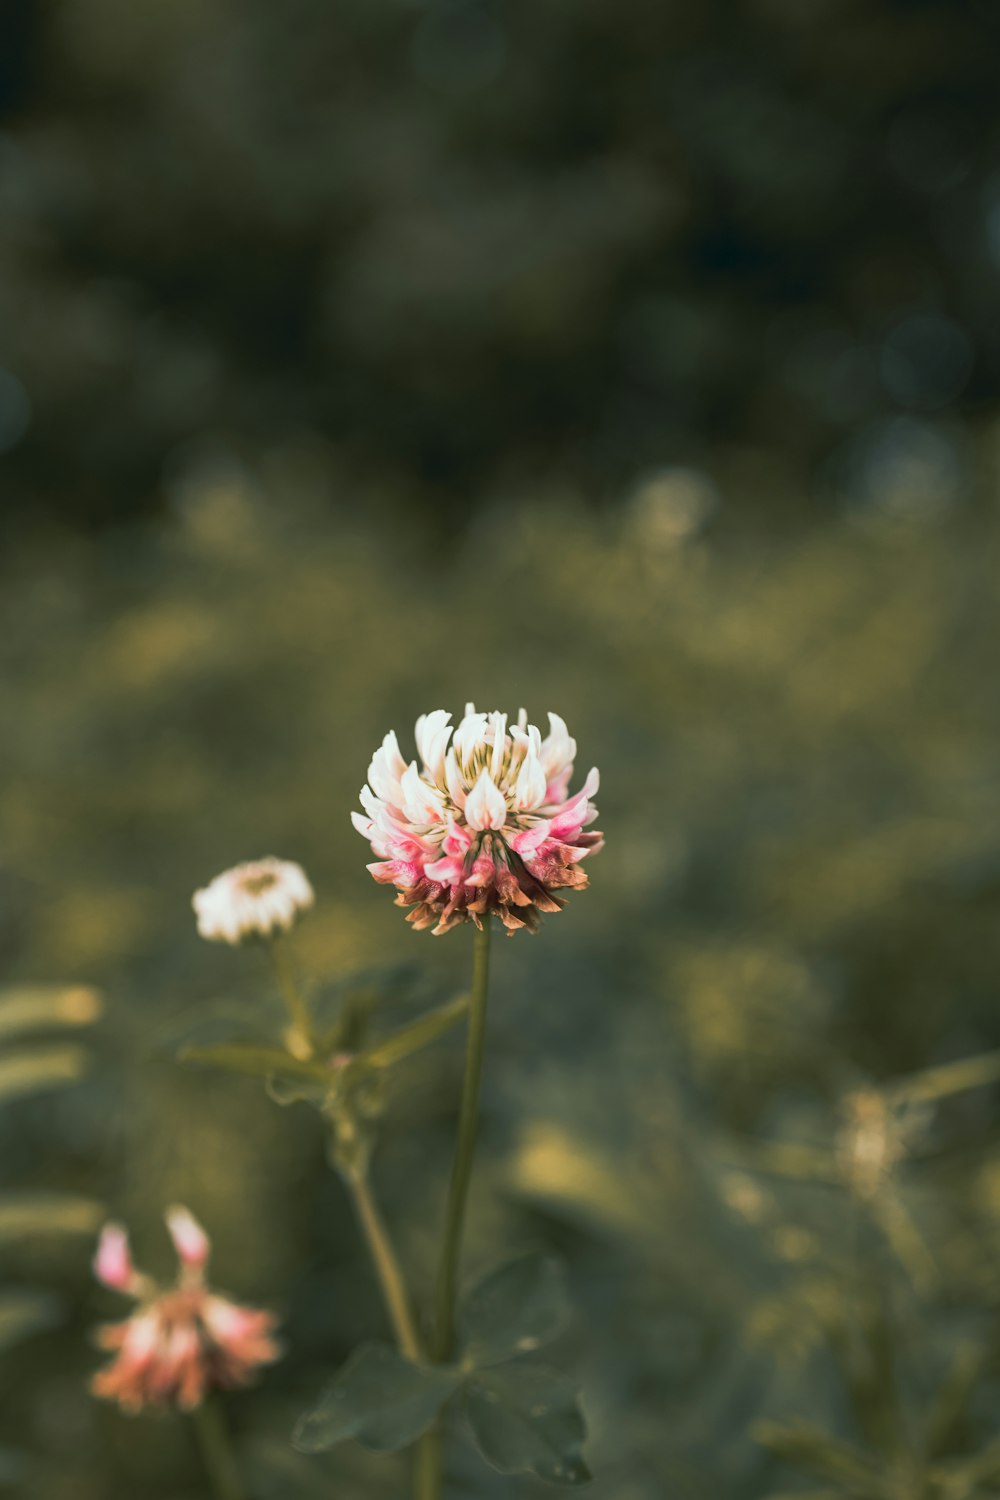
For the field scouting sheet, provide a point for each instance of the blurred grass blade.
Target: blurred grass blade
(947, 1415)
(24, 1312)
(817, 1452)
(575, 1177)
(259, 1062)
(38, 1007)
(950, 1078)
(906, 1240)
(28, 1072)
(959, 1481)
(24, 1215)
(412, 1038)
(783, 1159)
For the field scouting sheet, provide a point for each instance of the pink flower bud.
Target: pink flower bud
(113, 1259)
(190, 1240)
(184, 1341)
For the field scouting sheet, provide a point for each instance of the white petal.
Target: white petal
(558, 750)
(469, 734)
(499, 725)
(529, 791)
(433, 733)
(421, 803)
(454, 780)
(386, 768)
(486, 806)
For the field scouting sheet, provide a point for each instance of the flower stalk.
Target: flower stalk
(428, 1462)
(461, 1172)
(216, 1448)
(299, 1037)
(387, 1267)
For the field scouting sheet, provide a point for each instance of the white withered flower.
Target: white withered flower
(258, 899)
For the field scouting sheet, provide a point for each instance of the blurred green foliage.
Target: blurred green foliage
(469, 245)
(796, 907)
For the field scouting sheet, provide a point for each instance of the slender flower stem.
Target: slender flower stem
(300, 1039)
(461, 1172)
(428, 1463)
(387, 1267)
(216, 1449)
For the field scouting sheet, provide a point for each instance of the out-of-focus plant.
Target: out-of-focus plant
(909, 1438)
(909, 1393)
(182, 1344)
(483, 827)
(30, 1064)
(877, 1131)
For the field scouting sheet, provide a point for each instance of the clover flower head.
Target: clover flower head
(183, 1341)
(258, 899)
(482, 824)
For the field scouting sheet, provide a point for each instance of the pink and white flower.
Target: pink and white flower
(482, 824)
(254, 900)
(181, 1342)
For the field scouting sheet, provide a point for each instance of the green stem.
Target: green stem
(387, 1267)
(428, 1464)
(461, 1172)
(300, 1038)
(216, 1449)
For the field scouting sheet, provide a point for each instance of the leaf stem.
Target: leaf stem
(428, 1463)
(387, 1267)
(216, 1448)
(300, 1037)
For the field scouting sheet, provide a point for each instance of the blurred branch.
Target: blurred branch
(259, 1062)
(817, 1452)
(941, 1082)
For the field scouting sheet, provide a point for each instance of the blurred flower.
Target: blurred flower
(485, 824)
(181, 1342)
(254, 900)
(869, 1142)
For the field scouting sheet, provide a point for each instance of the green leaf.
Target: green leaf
(514, 1310)
(29, 1071)
(24, 1312)
(43, 1006)
(528, 1418)
(23, 1215)
(418, 1034)
(379, 1398)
